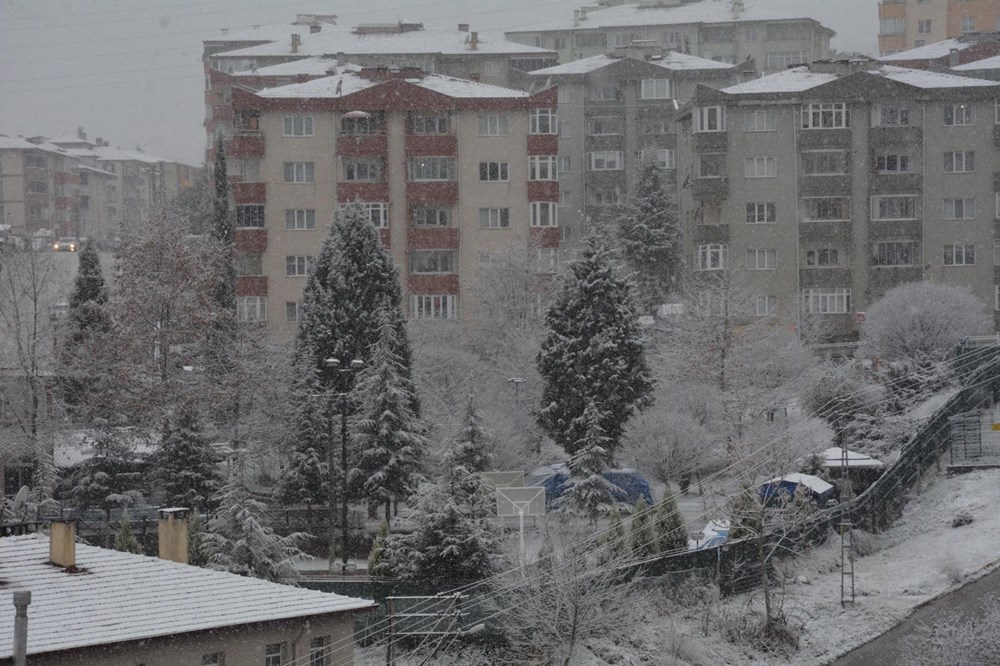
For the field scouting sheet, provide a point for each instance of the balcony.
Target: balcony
(432, 239)
(825, 186)
(710, 142)
(710, 233)
(355, 191)
(825, 138)
(430, 192)
(543, 190)
(896, 183)
(251, 240)
(712, 189)
(811, 278)
(362, 145)
(423, 283)
(544, 237)
(255, 285)
(244, 193)
(543, 144)
(424, 145)
(246, 145)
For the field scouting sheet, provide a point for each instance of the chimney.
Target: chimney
(62, 544)
(296, 40)
(463, 27)
(314, 28)
(173, 534)
(22, 599)
(953, 59)
(474, 40)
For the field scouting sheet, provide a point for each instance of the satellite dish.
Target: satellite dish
(20, 503)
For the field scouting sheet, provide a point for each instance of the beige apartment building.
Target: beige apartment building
(907, 24)
(729, 32)
(452, 172)
(825, 186)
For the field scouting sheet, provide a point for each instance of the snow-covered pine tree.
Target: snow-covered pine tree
(378, 564)
(589, 493)
(471, 451)
(614, 543)
(305, 477)
(671, 533)
(185, 466)
(238, 541)
(197, 557)
(223, 324)
(390, 439)
(649, 235)
(108, 478)
(592, 353)
(90, 295)
(642, 537)
(125, 541)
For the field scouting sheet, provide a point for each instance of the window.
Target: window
(318, 648)
(959, 114)
(996, 298)
(761, 120)
(711, 165)
(430, 124)
(542, 121)
(713, 257)
(299, 172)
(250, 216)
(761, 260)
(565, 130)
(565, 166)
(494, 218)
(378, 214)
(543, 167)
(825, 116)
(298, 266)
(605, 126)
(606, 160)
(248, 264)
(293, 311)
(655, 89)
(960, 255)
(664, 158)
(432, 261)
(891, 26)
(960, 162)
(272, 654)
(299, 219)
(827, 301)
(213, 659)
(433, 307)
(893, 163)
(764, 306)
(672, 38)
(362, 170)
(493, 125)
(605, 93)
(373, 124)
(891, 116)
(432, 168)
(761, 213)
(559, 43)
(37, 186)
(760, 167)
(622, 39)
(493, 172)
(655, 126)
(426, 216)
(709, 119)
(590, 40)
(605, 197)
(827, 208)
(785, 59)
(924, 27)
(248, 169)
(825, 257)
(968, 24)
(547, 259)
(959, 209)
(894, 253)
(250, 309)
(996, 252)
(544, 214)
(298, 126)
(894, 208)
(35, 161)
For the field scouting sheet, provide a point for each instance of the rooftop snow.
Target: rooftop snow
(833, 457)
(813, 483)
(799, 79)
(921, 78)
(318, 66)
(985, 63)
(342, 40)
(929, 52)
(670, 60)
(125, 597)
(675, 60)
(352, 83)
(15, 143)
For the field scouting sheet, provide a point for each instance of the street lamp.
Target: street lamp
(335, 365)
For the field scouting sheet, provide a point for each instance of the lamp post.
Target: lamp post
(334, 364)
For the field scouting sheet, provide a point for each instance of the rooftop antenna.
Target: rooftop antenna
(20, 507)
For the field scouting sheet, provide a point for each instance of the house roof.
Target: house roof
(985, 63)
(119, 597)
(670, 60)
(813, 483)
(795, 79)
(351, 82)
(317, 66)
(929, 51)
(799, 79)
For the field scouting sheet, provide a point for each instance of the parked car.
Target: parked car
(65, 245)
(715, 534)
(784, 488)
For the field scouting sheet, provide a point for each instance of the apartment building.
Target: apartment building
(825, 186)
(616, 116)
(947, 53)
(451, 171)
(729, 32)
(461, 53)
(907, 24)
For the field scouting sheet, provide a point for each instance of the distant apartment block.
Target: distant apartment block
(825, 186)
(729, 32)
(908, 24)
(451, 172)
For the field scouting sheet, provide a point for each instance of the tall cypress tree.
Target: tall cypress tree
(90, 295)
(671, 533)
(223, 292)
(592, 354)
(306, 475)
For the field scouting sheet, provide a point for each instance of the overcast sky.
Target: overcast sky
(130, 70)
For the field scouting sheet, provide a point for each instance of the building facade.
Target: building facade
(824, 187)
(730, 32)
(908, 24)
(451, 172)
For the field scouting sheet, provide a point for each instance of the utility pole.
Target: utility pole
(21, 601)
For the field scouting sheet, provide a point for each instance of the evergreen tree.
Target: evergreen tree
(649, 235)
(186, 466)
(671, 532)
(125, 541)
(238, 541)
(378, 564)
(642, 538)
(90, 295)
(471, 451)
(107, 478)
(197, 557)
(590, 494)
(223, 323)
(390, 438)
(592, 353)
(306, 475)
(614, 543)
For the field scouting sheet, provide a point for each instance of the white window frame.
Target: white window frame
(605, 126)
(996, 251)
(494, 218)
(962, 208)
(273, 654)
(825, 257)
(764, 305)
(762, 259)
(297, 125)
(895, 254)
(996, 297)
(823, 115)
(299, 172)
(362, 169)
(665, 158)
(654, 89)
(967, 25)
(431, 217)
(543, 167)
(891, 116)
(830, 300)
(300, 219)
(433, 306)
(427, 124)
(760, 120)
(606, 160)
(960, 161)
(435, 262)
(494, 125)
(378, 213)
(925, 26)
(762, 212)
(876, 215)
(565, 164)
(441, 168)
(709, 119)
(494, 172)
(297, 265)
(257, 218)
(760, 167)
(959, 115)
(544, 214)
(293, 311)
(712, 257)
(893, 163)
(543, 121)
(547, 259)
(960, 255)
(251, 308)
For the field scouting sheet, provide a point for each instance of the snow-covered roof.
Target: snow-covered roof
(986, 63)
(581, 66)
(813, 483)
(671, 60)
(929, 51)
(799, 79)
(96, 171)
(351, 82)
(922, 78)
(123, 597)
(317, 66)
(109, 154)
(833, 457)
(679, 61)
(333, 40)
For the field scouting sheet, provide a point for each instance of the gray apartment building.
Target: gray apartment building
(730, 32)
(825, 185)
(616, 115)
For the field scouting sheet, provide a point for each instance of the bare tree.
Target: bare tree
(954, 639)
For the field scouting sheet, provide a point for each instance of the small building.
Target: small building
(97, 606)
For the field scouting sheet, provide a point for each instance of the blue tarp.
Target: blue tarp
(555, 477)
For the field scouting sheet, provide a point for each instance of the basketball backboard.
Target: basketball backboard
(505, 479)
(520, 502)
